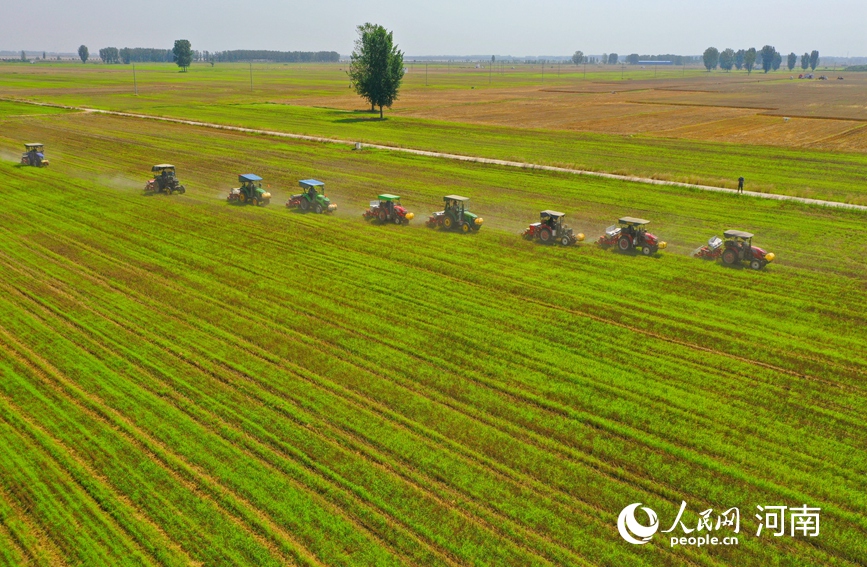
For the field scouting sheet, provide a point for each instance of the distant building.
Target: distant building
(655, 63)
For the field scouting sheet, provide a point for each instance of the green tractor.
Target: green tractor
(34, 155)
(455, 215)
(164, 181)
(312, 199)
(250, 191)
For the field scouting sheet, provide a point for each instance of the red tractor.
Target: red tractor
(737, 248)
(388, 209)
(550, 229)
(630, 236)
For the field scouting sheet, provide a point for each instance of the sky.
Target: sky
(444, 27)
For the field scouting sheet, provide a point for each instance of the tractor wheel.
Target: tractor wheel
(242, 198)
(254, 201)
(545, 235)
(305, 204)
(465, 227)
(168, 190)
(756, 265)
(730, 257)
(646, 250)
(182, 189)
(623, 244)
(565, 241)
(448, 223)
(383, 216)
(398, 220)
(317, 209)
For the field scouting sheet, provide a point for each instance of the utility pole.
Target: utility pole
(585, 67)
(543, 71)
(490, 70)
(251, 76)
(134, 82)
(425, 73)
(621, 71)
(558, 68)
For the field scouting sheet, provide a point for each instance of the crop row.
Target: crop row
(212, 273)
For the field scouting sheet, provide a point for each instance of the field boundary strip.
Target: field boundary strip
(458, 157)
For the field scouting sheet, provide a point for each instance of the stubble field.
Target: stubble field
(190, 382)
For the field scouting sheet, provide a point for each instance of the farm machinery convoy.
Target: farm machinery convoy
(312, 199)
(735, 250)
(250, 191)
(34, 155)
(550, 229)
(631, 235)
(164, 180)
(387, 208)
(455, 215)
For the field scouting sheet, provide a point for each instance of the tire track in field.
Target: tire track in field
(388, 518)
(199, 482)
(75, 457)
(455, 157)
(806, 456)
(365, 403)
(49, 552)
(264, 402)
(380, 461)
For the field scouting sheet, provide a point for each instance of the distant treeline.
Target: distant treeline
(856, 68)
(276, 56)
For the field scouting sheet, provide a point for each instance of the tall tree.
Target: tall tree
(793, 60)
(23, 55)
(604, 60)
(777, 61)
(711, 58)
(750, 59)
(109, 55)
(376, 69)
(805, 61)
(578, 57)
(727, 59)
(814, 59)
(83, 53)
(739, 59)
(632, 59)
(613, 58)
(182, 53)
(768, 57)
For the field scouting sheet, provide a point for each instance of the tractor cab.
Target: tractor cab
(739, 248)
(250, 191)
(456, 215)
(551, 228)
(163, 170)
(631, 234)
(387, 201)
(312, 199)
(34, 154)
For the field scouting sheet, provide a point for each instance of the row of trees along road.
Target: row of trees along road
(768, 59)
(181, 53)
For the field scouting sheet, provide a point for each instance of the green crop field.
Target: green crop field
(188, 382)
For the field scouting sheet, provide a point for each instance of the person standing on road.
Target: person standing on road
(740, 185)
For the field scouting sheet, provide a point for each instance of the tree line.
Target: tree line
(275, 56)
(633, 59)
(767, 59)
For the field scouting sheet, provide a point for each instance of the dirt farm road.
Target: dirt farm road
(458, 157)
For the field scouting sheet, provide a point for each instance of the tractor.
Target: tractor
(736, 249)
(34, 155)
(388, 208)
(455, 216)
(312, 199)
(630, 236)
(164, 181)
(250, 191)
(550, 229)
